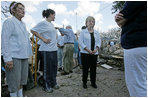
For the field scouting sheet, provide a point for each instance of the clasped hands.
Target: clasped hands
(92, 52)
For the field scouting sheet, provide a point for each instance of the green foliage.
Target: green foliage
(117, 6)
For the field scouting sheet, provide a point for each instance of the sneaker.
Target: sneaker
(48, 90)
(56, 87)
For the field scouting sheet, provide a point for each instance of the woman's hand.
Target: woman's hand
(89, 51)
(46, 40)
(9, 65)
(94, 51)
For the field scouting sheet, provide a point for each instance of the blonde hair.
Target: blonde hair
(89, 18)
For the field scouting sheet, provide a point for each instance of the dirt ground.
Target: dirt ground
(110, 82)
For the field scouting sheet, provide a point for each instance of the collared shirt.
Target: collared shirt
(15, 40)
(60, 40)
(69, 35)
(85, 40)
(48, 31)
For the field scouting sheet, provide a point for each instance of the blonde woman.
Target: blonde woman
(90, 42)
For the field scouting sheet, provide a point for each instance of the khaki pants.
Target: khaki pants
(68, 57)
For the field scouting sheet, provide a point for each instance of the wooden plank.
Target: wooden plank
(106, 66)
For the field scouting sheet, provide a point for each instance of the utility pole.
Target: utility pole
(63, 25)
(76, 21)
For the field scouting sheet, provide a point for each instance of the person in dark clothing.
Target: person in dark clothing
(133, 21)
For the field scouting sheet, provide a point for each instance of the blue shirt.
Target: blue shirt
(69, 35)
(15, 40)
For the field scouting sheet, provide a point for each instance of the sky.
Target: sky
(72, 13)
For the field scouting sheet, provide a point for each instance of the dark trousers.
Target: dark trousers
(39, 58)
(50, 68)
(89, 62)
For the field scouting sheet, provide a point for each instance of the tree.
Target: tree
(5, 9)
(117, 6)
(113, 33)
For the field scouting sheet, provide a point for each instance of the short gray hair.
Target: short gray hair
(69, 26)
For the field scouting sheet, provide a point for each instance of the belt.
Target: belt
(69, 43)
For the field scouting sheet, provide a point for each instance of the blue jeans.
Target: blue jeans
(60, 57)
(79, 58)
(50, 68)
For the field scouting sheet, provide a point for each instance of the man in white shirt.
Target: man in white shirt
(60, 44)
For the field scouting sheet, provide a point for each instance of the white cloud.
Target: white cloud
(71, 13)
(108, 1)
(65, 22)
(31, 9)
(30, 6)
(56, 25)
(36, 2)
(58, 8)
(98, 18)
(28, 19)
(87, 8)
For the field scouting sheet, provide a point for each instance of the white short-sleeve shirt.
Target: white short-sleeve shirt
(48, 31)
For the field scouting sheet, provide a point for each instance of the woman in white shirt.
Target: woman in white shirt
(46, 31)
(16, 49)
(90, 42)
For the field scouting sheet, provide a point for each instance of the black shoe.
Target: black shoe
(59, 69)
(94, 85)
(71, 71)
(84, 86)
(64, 73)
